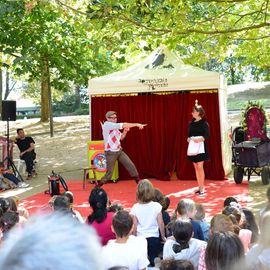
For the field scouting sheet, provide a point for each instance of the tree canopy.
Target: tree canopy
(63, 41)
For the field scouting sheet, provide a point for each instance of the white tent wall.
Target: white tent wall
(224, 127)
(164, 71)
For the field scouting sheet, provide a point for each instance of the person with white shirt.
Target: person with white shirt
(147, 218)
(182, 246)
(258, 257)
(113, 151)
(126, 250)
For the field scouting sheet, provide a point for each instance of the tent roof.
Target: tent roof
(161, 71)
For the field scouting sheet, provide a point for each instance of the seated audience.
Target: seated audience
(228, 201)
(267, 206)
(172, 264)
(118, 268)
(100, 218)
(76, 213)
(8, 180)
(237, 216)
(219, 223)
(115, 207)
(251, 224)
(61, 204)
(224, 251)
(20, 209)
(165, 203)
(4, 204)
(8, 221)
(186, 210)
(126, 250)
(147, 218)
(258, 257)
(53, 242)
(13, 207)
(182, 246)
(200, 217)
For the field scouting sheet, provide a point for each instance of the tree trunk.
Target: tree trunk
(232, 72)
(1, 89)
(7, 85)
(45, 76)
(77, 97)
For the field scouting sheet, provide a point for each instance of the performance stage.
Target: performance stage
(124, 192)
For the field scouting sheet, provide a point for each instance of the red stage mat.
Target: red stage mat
(124, 192)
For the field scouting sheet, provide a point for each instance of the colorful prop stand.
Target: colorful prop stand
(96, 157)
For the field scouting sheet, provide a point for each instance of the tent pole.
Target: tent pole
(90, 118)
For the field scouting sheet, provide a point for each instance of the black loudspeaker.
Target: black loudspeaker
(8, 110)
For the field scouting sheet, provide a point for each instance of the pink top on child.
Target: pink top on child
(104, 229)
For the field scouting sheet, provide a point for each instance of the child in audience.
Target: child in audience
(229, 200)
(267, 206)
(224, 251)
(182, 246)
(126, 250)
(172, 264)
(115, 207)
(165, 215)
(61, 204)
(251, 224)
(100, 218)
(8, 221)
(76, 213)
(21, 210)
(186, 210)
(236, 214)
(258, 257)
(164, 202)
(200, 217)
(13, 207)
(219, 223)
(147, 218)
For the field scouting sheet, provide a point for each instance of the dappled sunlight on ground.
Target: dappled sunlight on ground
(257, 195)
(66, 153)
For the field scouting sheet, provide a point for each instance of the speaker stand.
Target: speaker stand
(10, 162)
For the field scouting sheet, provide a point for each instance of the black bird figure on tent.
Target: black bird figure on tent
(158, 61)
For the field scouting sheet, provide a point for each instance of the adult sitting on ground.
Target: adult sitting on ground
(9, 179)
(26, 146)
(53, 242)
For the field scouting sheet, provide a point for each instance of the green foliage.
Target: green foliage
(67, 105)
(83, 39)
(226, 31)
(31, 30)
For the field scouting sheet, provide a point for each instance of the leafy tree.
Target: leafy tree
(48, 45)
(55, 42)
(201, 30)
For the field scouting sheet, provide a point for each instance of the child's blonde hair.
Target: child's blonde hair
(145, 191)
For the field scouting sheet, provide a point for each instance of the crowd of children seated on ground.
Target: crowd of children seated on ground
(147, 236)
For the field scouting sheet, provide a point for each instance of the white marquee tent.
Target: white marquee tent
(164, 71)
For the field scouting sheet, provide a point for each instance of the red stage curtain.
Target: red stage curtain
(160, 149)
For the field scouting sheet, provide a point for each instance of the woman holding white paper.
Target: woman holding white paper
(198, 133)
